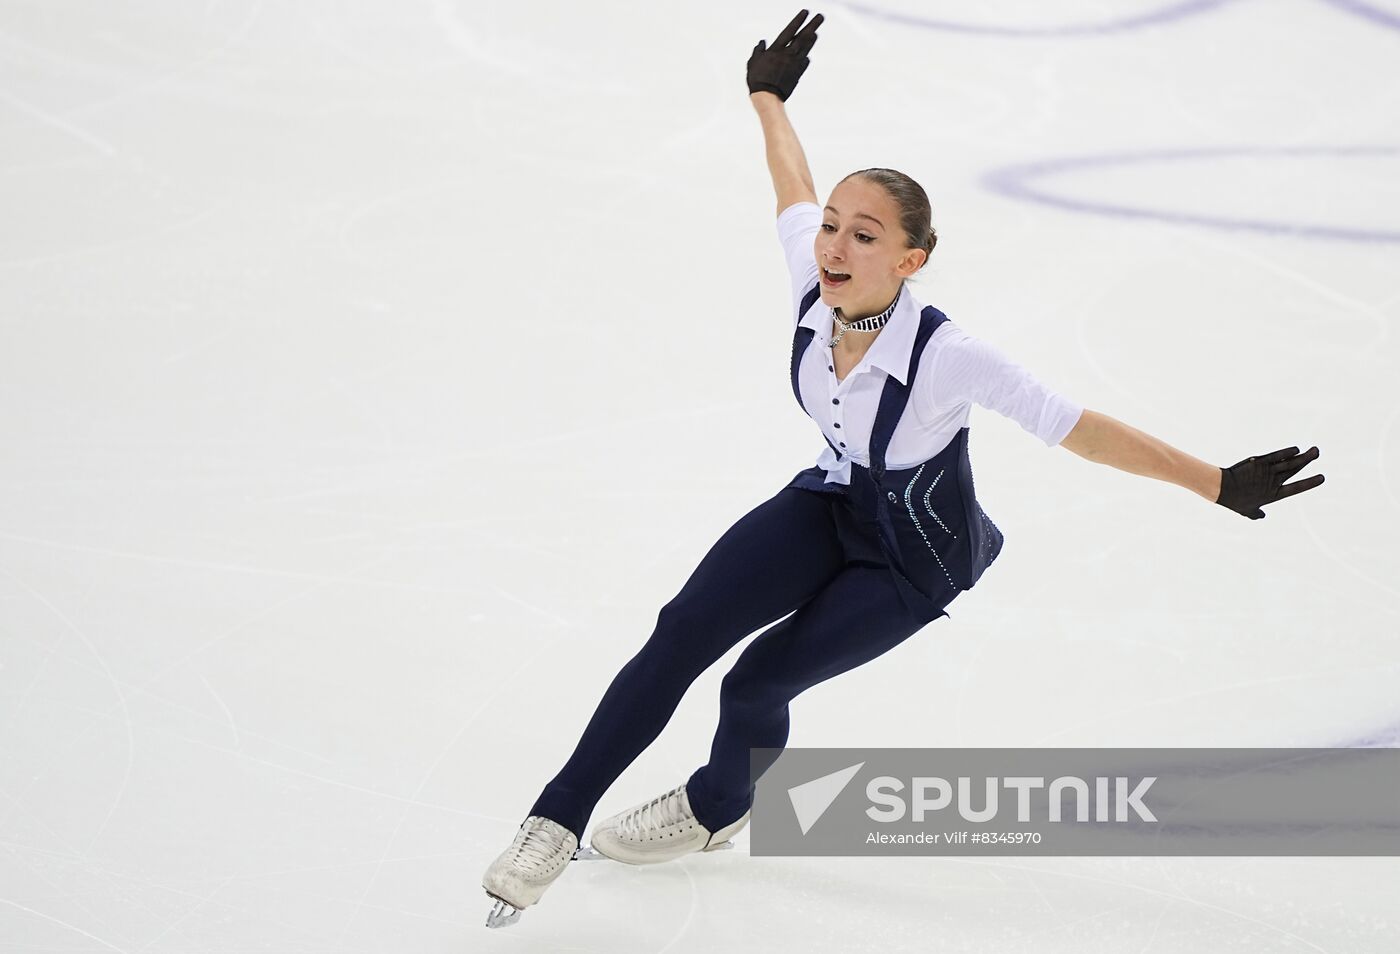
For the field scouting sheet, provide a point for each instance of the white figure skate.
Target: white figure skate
(541, 850)
(656, 831)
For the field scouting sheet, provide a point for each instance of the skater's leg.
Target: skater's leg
(772, 560)
(856, 617)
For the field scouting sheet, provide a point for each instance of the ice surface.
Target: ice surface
(363, 397)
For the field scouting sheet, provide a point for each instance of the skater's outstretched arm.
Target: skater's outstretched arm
(1242, 487)
(1106, 440)
(772, 76)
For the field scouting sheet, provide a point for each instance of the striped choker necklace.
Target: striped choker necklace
(873, 323)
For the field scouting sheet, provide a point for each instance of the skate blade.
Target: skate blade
(498, 918)
(589, 853)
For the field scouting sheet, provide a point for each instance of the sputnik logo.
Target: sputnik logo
(810, 800)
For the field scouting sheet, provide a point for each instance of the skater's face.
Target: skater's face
(861, 236)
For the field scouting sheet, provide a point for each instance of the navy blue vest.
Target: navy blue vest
(937, 537)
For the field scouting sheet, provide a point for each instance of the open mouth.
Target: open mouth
(834, 279)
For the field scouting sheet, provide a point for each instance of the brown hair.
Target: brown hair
(915, 216)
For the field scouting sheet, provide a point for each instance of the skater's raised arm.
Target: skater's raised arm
(792, 180)
(772, 76)
(1241, 488)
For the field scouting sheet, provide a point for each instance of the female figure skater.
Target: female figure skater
(863, 549)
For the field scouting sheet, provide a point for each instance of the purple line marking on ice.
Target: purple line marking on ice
(1364, 10)
(1015, 182)
(1160, 15)
(1387, 738)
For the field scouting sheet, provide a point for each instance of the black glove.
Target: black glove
(1260, 480)
(776, 70)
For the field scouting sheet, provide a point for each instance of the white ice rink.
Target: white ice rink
(371, 373)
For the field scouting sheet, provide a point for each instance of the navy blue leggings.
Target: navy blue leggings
(799, 550)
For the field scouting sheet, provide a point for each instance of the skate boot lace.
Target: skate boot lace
(535, 845)
(656, 814)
